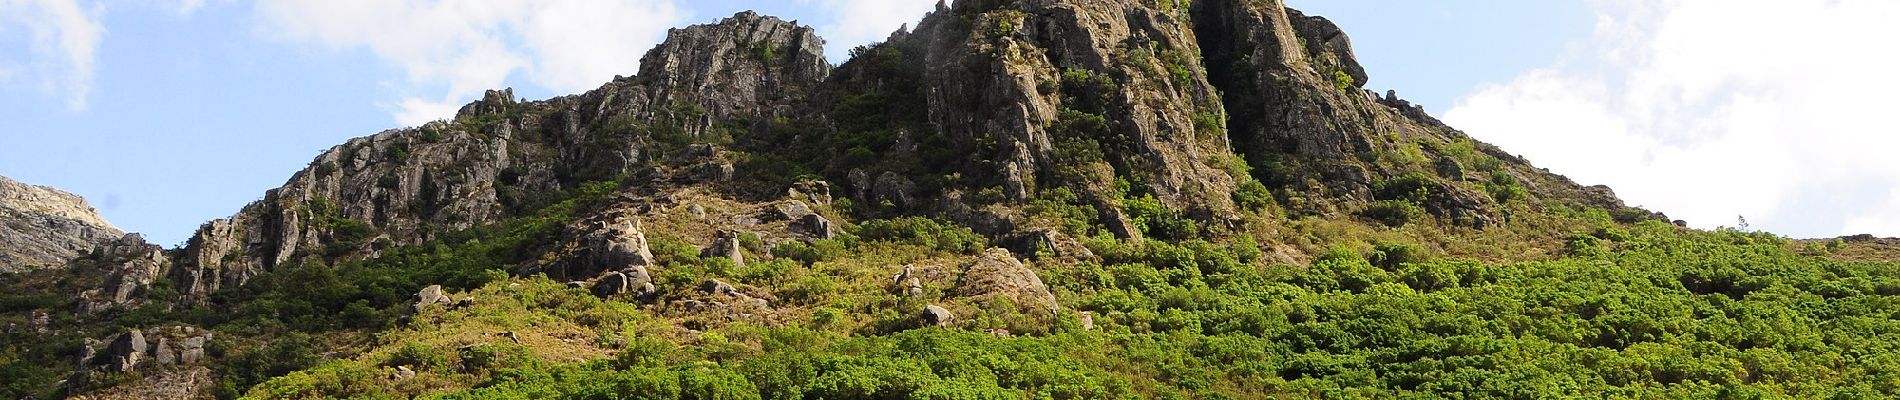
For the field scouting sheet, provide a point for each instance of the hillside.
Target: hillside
(1009, 199)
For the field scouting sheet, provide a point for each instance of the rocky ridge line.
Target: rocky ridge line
(42, 226)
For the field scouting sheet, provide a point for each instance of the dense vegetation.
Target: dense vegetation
(1651, 312)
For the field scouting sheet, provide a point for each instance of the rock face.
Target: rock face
(125, 352)
(148, 349)
(607, 242)
(129, 264)
(1026, 83)
(43, 227)
(696, 65)
(1291, 89)
(500, 155)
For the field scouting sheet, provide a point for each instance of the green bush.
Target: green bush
(1415, 187)
(1390, 255)
(1157, 220)
(1395, 212)
(1252, 195)
(1504, 188)
(1342, 81)
(924, 232)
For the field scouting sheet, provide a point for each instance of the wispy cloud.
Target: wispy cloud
(449, 51)
(856, 22)
(53, 46)
(1709, 110)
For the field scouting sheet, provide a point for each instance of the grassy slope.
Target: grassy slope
(1655, 312)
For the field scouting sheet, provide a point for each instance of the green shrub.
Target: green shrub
(1415, 187)
(1395, 212)
(1342, 81)
(1157, 220)
(924, 232)
(1390, 255)
(418, 356)
(1583, 246)
(1504, 188)
(810, 252)
(283, 355)
(1252, 195)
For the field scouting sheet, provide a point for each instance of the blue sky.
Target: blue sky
(169, 113)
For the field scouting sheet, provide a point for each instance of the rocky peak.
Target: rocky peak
(697, 65)
(1324, 37)
(1073, 94)
(42, 226)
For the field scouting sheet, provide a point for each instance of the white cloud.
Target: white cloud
(1883, 218)
(186, 7)
(58, 48)
(1710, 109)
(858, 22)
(449, 51)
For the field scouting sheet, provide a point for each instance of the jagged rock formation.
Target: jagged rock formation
(147, 349)
(129, 265)
(1291, 86)
(705, 65)
(42, 226)
(1046, 94)
(171, 359)
(500, 156)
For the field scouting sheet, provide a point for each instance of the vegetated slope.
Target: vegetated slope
(1059, 199)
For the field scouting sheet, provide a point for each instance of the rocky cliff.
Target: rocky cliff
(502, 156)
(42, 226)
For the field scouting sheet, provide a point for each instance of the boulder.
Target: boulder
(894, 189)
(41, 322)
(611, 241)
(619, 242)
(935, 315)
(126, 352)
(908, 282)
(725, 245)
(718, 287)
(711, 171)
(632, 280)
(790, 210)
(860, 183)
(814, 225)
(192, 349)
(430, 296)
(997, 274)
(816, 192)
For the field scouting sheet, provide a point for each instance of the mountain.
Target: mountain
(45, 226)
(1047, 198)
